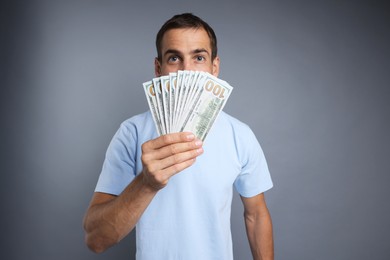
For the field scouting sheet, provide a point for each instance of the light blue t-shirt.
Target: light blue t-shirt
(190, 217)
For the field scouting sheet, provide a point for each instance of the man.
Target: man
(174, 188)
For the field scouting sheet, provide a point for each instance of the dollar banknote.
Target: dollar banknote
(165, 93)
(172, 92)
(206, 106)
(160, 104)
(186, 101)
(152, 102)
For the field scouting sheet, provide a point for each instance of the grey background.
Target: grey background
(311, 78)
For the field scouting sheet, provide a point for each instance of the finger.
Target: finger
(173, 149)
(179, 158)
(168, 139)
(176, 168)
(160, 178)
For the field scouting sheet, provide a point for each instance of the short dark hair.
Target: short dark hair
(186, 20)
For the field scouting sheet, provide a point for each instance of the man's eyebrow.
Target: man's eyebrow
(196, 51)
(172, 51)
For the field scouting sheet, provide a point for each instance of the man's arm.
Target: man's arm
(258, 227)
(110, 218)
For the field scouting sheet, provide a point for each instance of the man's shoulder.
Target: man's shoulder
(142, 119)
(231, 128)
(233, 122)
(138, 118)
(140, 123)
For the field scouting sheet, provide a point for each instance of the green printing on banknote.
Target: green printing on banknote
(186, 101)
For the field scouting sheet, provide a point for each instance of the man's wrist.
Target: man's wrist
(151, 187)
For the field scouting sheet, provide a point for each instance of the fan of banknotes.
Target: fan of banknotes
(186, 101)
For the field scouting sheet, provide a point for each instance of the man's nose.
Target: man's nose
(187, 65)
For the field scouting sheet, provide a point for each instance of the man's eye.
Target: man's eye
(200, 58)
(173, 59)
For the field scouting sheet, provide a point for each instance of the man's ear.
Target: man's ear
(216, 66)
(157, 67)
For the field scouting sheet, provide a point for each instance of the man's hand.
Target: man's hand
(110, 218)
(168, 155)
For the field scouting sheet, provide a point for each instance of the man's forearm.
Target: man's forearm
(111, 218)
(259, 231)
(106, 223)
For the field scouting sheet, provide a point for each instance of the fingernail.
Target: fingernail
(198, 142)
(199, 151)
(190, 137)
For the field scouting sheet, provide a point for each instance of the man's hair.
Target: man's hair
(183, 21)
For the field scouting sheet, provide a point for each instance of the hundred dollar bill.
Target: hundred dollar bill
(193, 88)
(165, 89)
(152, 102)
(181, 78)
(186, 101)
(172, 83)
(160, 105)
(177, 94)
(207, 106)
(184, 89)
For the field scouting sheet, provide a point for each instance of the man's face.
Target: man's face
(186, 49)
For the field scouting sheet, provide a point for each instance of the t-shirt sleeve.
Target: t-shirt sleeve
(119, 165)
(254, 177)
